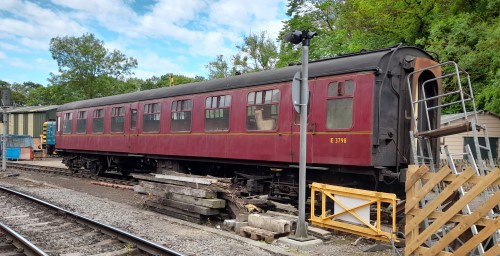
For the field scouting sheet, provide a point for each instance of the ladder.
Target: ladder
(420, 136)
(483, 168)
(419, 156)
(426, 131)
(451, 163)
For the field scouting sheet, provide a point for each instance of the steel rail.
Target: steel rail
(123, 236)
(21, 242)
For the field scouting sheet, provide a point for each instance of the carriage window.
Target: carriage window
(340, 105)
(81, 122)
(181, 115)
(68, 123)
(262, 110)
(117, 119)
(133, 119)
(98, 121)
(217, 113)
(151, 117)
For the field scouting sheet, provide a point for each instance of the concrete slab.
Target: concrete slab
(299, 245)
(319, 233)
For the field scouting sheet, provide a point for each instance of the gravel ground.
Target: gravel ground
(123, 209)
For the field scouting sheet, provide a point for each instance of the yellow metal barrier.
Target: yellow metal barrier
(349, 210)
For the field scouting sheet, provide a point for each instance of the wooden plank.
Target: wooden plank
(413, 233)
(205, 202)
(447, 130)
(424, 251)
(216, 187)
(475, 240)
(452, 177)
(154, 203)
(147, 177)
(466, 223)
(436, 202)
(188, 207)
(196, 180)
(235, 204)
(259, 234)
(203, 193)
(415, 176)
(458, 206)
(429, 185)
(493, 251)
(483, 221)
(172, 213)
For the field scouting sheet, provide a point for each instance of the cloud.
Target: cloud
(11, 47)
(32, 21)
(164, 36)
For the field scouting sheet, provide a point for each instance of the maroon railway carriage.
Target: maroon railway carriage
(245, 126)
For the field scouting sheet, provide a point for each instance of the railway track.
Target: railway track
(57, 231)
(12, 243)
(117, 179)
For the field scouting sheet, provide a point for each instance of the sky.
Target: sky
(165, 36)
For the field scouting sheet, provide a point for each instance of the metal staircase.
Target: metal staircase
(426, 128)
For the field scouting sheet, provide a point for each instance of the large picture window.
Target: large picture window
(152, 117)
(340, 105)
(68, 123)
(81, 122)
(263, 110)
(217, 113)
(98, 121)
(181, 115)
(117, 119)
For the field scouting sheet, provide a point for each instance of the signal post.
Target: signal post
(300, 98)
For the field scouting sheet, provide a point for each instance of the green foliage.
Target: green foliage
(166, 81)
(20, 93)
(464, 31)
(218, 68)
(467, 32)
(86, 67)
(257, 52)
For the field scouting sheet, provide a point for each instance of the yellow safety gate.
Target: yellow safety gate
(348, 212)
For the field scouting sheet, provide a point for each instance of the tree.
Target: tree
(85, 66)
(167, 80)
(257, 52)
(466, 32)
(20, 93)
(218, 68)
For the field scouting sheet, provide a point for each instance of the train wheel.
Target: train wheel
(98, 170)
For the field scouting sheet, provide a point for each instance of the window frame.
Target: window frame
(114, 116)
(260, 98)
(98, 117)
(180, 110)
(341, 95)
(133, 119)
(82, 117)
(68, 123)
(214, 108)
(151, 109)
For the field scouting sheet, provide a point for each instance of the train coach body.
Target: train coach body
(357, 120)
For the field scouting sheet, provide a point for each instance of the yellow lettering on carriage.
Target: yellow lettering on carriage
(338, 140)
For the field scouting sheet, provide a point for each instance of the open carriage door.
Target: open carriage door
(425, 91)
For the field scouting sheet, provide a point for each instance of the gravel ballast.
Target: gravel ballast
(124, 209)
